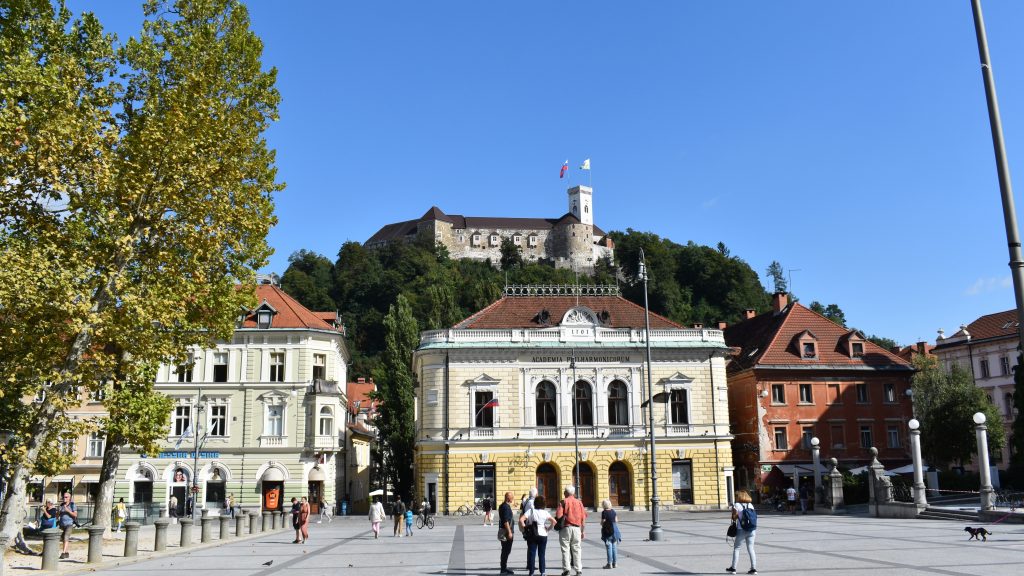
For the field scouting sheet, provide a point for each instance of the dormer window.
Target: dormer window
(263, 318)
(517, 239)
(809, 350)
(855, 344)
(533, 240)
(807, 345)
(495, 239)
(857, 349)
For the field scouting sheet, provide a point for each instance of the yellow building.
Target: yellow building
(504, 396)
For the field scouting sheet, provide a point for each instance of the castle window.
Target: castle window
(533, 240)
(517, 239)
(462, 239)
(495, 240)
(476, 239)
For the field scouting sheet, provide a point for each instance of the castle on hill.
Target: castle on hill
(571, 241)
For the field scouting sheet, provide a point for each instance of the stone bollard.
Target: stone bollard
(96, 543)
(267, 520)
(253, 526)
(239, 524)
(225, 531)
(835, 489)
(131, 539)
(160, 542)
(186, 532)
(204, 527)
(278, 524)
(51, 548)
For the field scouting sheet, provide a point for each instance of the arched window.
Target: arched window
(546, 414)
(618, 406)
(678, 407)
(326, 421)
(582, 404)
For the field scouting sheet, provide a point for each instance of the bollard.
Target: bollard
(51, 548)
(253, 526)
(131, 539)
(239, 524)
(96, 543)
(204, 528)
(224, 532)
(267, 520)
(160, 542)
(277, 519)
(186, 532)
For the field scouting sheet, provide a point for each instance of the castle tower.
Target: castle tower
(581, 204)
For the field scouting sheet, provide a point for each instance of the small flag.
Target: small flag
(492, 404)
(585, 165)
(565, 166)
(186, 434)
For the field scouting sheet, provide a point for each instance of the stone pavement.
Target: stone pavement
(694, 543)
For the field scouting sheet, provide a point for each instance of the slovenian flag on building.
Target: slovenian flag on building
(492, 404)
(565, 166)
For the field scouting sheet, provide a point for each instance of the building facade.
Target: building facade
(987, 349)
(505, 396)
(260, 418)
(800, 376)
(571, 241)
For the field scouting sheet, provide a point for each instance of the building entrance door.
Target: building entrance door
(547, 485)
(586, 494)
(619, 486)
(179, 492)
(315, 493)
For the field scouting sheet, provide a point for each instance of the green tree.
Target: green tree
(833, 312)
(778, 276)
(945, 404)
(396, 420)
(136, 187)
(882, 341)
(310, 280)
(511, 255)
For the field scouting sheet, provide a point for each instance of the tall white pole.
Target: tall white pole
(920, 494)
(987, 493)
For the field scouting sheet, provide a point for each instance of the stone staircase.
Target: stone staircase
(958, 508)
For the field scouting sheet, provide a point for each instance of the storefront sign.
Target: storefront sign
(187, 455)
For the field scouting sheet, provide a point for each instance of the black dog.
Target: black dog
(975, 532)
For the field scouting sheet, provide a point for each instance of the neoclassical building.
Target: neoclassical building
(571, 241)
(504, 396)
(265, 410)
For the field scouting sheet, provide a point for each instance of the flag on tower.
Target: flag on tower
(565, 166)
(585, 165)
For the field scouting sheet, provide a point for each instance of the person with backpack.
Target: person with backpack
(398, 513)
(67, 516)
(745, 517)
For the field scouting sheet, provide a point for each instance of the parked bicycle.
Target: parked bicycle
(467, 510)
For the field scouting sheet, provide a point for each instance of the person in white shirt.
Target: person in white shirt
(536, 546)
(743, 500)
(791, 499)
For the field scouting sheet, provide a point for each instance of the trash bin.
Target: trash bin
(344, 507)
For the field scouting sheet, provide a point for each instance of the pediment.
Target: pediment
(580, 316)
(678, 379)
(483, 380)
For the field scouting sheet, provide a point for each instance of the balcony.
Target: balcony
(326, 442)
(273, 441)
(621, 337)
(556, 433)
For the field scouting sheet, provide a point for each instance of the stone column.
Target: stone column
(186, 531)
(816, 461)
(254, 527)
(920, 494)
(51, 548)
(988, 496)
(225, 530)
(835, 478)
(278, 519)
(131, 539)
(204, 527)
(96, 543)
(160, 542)
(267, 521)
(239, 524)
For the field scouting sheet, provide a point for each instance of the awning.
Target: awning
(64, 478)
(272, 475)
(802, 469)
(90, 479)
(377, 492)
(863, 469)
(317, 474)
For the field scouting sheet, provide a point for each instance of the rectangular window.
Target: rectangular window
(220, 367)
(892, 433)
(35, 492)
(483, 407)
(778, 393)
(533, 240)
(96, 445)
(495, 240)
(833, 394)
(182, 420)
(678, 407)
(184, 372)
(275, 421)
(432, 397)
(805, 394)
(517, 239)
(857, 349)
(862, 393)
(216, 494)
(838, 437)
(805, 437)
(865, 437)
(476, 238)
(889, 393)
(319, 367)
(809, 351)
(1004, 364)
(218, 420)
(67, 446)
(985, 373)
(483, 482)
(277, 366)
(781, 442)
(682, 482)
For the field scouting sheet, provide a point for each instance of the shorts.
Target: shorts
(65, 533)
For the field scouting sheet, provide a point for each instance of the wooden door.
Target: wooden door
(619, 486)
(547, 485)
(586, 494)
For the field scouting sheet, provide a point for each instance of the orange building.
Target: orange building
(798, 376)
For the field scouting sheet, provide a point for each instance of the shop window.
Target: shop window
(216, 494)
(483, 482)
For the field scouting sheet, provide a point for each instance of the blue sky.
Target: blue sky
(849, 141)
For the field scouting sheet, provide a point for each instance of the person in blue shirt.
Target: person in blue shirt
(408, 520)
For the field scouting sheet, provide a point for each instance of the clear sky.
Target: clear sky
(847, 140)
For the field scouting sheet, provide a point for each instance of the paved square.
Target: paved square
(694, 544)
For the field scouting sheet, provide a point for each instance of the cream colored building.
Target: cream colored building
(567, 364)
(270, 415)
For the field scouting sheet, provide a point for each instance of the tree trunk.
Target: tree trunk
(105, 499)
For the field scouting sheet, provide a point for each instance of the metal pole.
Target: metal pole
(1003, 170)
(987, 493)
(920, 497)
(655, 533)
(575, 431)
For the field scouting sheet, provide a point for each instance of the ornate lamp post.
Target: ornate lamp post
(575, 428)
(915, 448)
(987, 493)
(816, 459)
(655, 533)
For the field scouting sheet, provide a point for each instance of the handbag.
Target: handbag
(560, 521)
(529, 528)
(731, 531)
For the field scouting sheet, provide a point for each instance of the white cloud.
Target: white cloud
(982, 285)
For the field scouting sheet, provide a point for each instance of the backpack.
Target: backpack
(748, 518)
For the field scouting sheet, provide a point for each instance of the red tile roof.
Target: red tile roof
(359, 395)
(769, 340)
(290, 314)
(523, 311)
(998, 325)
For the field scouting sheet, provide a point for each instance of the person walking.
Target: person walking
(408, 519)
(120, 514)
(505, 534)
(791, 499)
(805, 494)
(325, 511)
(743, 501)
(68, 515)
(304, 513)
(609, 532)
(230, 502)
(296, 522)
(398, 513)
(487, 506)
(172, 508)
(376, 516)
(536, 542)
(571, 536)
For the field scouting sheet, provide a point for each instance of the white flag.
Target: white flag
(186, 434)
(585, 165)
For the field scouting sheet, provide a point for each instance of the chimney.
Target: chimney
(723, 325)
(749, 313)
(698, 326)
(779, 301)
(922, 348)
(895, 349)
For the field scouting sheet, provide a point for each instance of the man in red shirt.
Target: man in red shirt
(571, 535)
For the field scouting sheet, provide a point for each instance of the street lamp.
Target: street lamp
(920, 498)
(816, 459)
(987, 494)
(655, 533)
(575, 430)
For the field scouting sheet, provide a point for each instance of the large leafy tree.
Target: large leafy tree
(135, 184)
(395, 422)
(310, 279)
(833, 312)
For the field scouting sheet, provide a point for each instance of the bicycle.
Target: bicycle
(428, 521)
